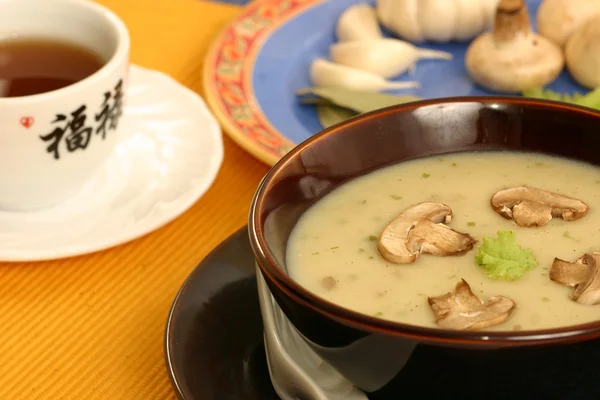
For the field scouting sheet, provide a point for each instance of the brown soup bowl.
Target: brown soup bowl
(368, 351)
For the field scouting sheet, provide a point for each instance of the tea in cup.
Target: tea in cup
(63, 73)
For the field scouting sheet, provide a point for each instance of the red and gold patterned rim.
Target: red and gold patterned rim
(228, 71)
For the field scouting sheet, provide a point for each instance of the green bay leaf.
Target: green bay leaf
(331, 115)
(357, 101)
(315, 101)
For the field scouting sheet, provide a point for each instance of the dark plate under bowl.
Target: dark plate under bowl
(214, 349)
(385, 137)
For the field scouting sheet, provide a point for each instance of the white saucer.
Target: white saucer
(168, 156)
(296, 371)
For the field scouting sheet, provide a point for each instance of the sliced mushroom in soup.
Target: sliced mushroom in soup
(583, 274)
(529, 206)
(401, 235)
(422, 228)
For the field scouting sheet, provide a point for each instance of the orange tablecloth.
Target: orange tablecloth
(91, 327)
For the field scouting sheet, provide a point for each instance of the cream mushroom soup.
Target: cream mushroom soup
(347, 249)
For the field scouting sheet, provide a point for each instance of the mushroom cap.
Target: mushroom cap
(558, 19)
(529, 206)
(463, 310)
(583, 274)
(529, 61)
(512, 58)
(582, 52)
(419, 229)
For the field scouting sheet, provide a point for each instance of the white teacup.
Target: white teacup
(46, 152)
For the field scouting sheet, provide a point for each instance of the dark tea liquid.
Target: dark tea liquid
(32, 66)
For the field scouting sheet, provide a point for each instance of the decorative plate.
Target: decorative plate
(255, 66)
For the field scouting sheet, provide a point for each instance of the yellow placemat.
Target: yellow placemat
(91, 327)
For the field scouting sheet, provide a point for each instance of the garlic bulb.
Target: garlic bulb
(400, 17)
(357, 23)
(583, 53)
(512, 58)
(326, 73)
(436, 20)
(384, 57)
(558, 19)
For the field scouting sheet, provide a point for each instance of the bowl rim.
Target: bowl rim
(276, 275)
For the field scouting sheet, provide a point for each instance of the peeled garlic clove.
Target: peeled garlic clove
(434, 27)
(558, 19)
(357, 23)
(401, 17)
(583, 53)
(384, 57)
(512, 58)
(325, 73)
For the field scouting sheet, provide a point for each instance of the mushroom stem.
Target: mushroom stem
(568, 273)
(587, 292)
(439, 239)
(512, 19)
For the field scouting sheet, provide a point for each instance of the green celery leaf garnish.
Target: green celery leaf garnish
(590, 99)
(503, 258)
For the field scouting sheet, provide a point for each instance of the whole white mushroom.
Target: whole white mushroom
(583, 53)
(558, 19)
(512, 58)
